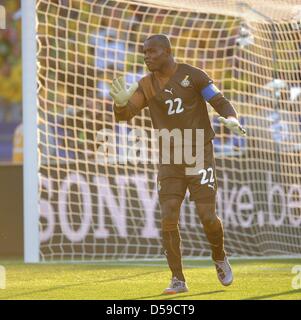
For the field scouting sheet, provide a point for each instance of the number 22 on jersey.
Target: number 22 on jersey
(175, 106)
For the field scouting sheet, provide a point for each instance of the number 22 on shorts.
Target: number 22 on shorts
(207, 177)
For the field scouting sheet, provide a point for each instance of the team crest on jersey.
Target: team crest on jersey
(185, 82)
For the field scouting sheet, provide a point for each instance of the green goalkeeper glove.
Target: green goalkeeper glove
(120, 94)
(233, 124)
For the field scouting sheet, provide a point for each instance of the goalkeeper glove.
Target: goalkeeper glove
(233, 124)
(120, 94)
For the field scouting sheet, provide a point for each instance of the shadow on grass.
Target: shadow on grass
(176, 296)
(267, 296)
(13, 296)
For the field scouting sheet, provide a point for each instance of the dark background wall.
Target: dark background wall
(11, 210)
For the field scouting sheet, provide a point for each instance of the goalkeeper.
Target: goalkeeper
(176, 96)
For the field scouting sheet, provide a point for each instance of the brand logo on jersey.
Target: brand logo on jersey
(169, 91)
(185, 82)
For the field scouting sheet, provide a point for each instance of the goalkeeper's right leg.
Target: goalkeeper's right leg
(172, 244)
(176, 286)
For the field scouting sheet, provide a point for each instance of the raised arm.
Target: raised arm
(127, 102)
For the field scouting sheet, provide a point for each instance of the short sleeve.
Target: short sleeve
(204, 85)
(200, 79)
(146, 87)
(140, 88)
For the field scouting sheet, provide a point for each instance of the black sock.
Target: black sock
(172, 247)
(215, 236)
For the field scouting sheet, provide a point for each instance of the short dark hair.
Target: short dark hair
(162, 39)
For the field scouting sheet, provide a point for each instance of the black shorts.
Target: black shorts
(172, 181)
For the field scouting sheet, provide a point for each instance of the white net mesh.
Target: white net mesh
(92, 211)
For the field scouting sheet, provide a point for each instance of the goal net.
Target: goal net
(91, 209)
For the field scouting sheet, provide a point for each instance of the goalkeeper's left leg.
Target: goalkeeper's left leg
(213, 228)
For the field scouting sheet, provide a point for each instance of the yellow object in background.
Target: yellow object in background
(18, 144)
(11, 86)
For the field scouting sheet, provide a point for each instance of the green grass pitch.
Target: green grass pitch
(253, 279)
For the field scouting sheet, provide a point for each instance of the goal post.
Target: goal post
(30, 129)
(80, 205)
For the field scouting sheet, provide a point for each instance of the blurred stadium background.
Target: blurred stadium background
(11, 83)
